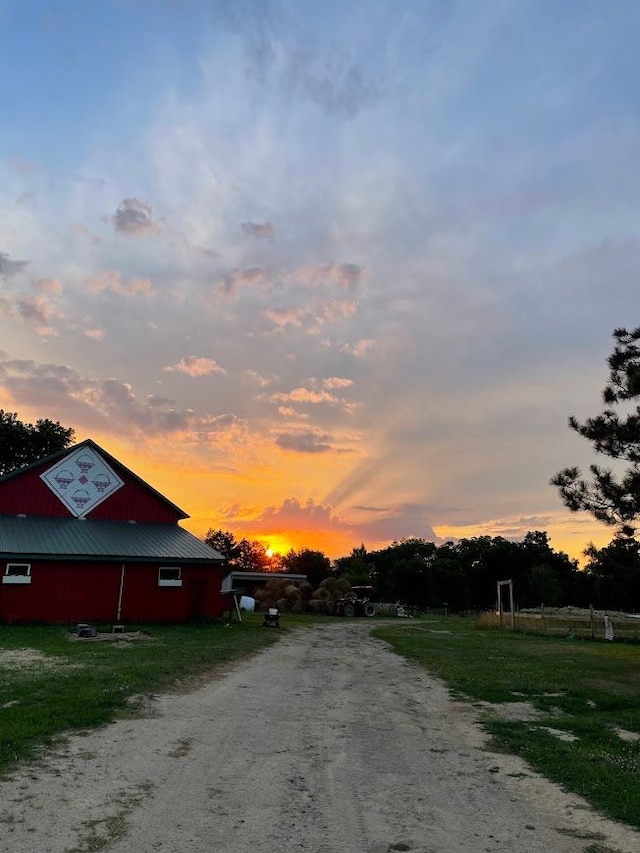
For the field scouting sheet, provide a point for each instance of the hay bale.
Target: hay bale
(329, 584)
(306, 589)
(292, 593)
(283, 605)
(321, 594)
(297, 606)
(343, 586)
(275, 587)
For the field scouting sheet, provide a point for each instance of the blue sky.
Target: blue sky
(324, 274)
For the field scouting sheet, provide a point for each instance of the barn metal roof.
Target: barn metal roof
(86, 539)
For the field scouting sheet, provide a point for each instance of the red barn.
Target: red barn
(83, 539)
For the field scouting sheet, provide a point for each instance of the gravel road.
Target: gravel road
(326, 742)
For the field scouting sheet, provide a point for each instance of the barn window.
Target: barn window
(169, 576)
(17, 573)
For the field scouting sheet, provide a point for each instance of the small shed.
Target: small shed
(248, 583)
(84, 539)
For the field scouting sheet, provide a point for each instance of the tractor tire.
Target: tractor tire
(348, 610)
(369, 609)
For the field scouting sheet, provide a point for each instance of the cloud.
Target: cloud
(48, 285)
(337, 382)
(280, 55)
(398, 521)
(196, 366)
(304, 442)
(337, 85)
(293, 512)
(134, 218)
(258, 229)
(109, 404)
(284, 317)
(111, 280)
(94, 334)
(306, 395)
(23, 167)
(359, 349)
(37, 312)
(9, 267)
(346, 275)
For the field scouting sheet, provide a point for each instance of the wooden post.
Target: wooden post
(508, 584)
(593, 627)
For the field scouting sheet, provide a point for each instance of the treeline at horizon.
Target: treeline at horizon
(463, 575)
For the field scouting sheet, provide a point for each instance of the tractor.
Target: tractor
(356, 603)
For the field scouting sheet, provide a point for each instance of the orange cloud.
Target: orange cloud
(196, 366)
(111, 280)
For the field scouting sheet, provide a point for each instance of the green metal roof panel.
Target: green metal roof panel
(77, 539)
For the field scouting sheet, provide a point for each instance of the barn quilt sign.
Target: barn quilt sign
(82, 481)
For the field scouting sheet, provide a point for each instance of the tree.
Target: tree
(615, 573)
(252, 557)
(314, 564)
(613, 498)
(224, 543)
(242, 556)
(21, 443)
(356, 568)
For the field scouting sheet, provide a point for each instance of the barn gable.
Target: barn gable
(84, 481)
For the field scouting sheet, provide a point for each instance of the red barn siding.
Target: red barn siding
(88, 592)
(28, 494)
(145, 601)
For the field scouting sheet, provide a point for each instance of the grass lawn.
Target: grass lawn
(587, 690)
(49, 683)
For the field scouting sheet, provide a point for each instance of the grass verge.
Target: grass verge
(587, 693)
(50, 684)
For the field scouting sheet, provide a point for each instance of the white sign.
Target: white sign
(82, 480)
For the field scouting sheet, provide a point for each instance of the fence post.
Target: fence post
(593, 627)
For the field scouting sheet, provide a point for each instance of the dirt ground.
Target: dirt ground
(326, 742)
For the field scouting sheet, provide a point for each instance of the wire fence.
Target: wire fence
(594, 625)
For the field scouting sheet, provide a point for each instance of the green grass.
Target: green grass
(583, 688)
(86, 683)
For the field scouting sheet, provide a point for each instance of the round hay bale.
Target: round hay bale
(306, 589)
(283, 605)
(321, 594)
(276, 586)
(293, 593)
(343, 585)
(297, 606)
(260, 594)
(329, 584)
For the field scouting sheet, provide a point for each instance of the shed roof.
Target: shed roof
(96, 540)
(230, 579)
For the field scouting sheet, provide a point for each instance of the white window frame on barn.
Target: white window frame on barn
(13, 576)
(175, 579)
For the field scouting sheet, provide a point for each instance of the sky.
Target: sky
(323, 274)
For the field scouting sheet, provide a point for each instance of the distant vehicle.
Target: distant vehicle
(356, 603)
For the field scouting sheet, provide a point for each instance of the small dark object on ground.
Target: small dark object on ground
(271, 618)
(84, 630)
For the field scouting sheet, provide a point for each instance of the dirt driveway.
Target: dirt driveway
(326, 742)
